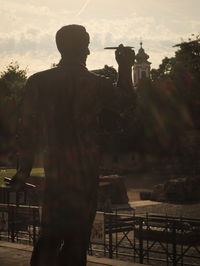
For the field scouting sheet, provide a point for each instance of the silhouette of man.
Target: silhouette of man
(61, 106)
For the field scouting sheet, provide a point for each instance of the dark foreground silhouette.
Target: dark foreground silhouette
(60, 114)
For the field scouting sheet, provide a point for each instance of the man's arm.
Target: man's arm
(121, 96)
(125, 58)
(27, 134)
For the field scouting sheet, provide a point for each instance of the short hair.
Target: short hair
(72, 39)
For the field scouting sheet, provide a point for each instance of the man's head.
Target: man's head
(72, 42)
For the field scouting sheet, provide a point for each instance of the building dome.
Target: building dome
(141, 56)
(141, 66)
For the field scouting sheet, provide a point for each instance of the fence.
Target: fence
(151, 239)
(19, 223)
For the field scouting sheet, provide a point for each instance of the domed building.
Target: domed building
(141, 66)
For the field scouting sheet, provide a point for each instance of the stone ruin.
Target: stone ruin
(178, 190)
(112, 191)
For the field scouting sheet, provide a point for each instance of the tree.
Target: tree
(15, 79)
(12, 82)
(187, 55)
(169, 105)
(164, 68)
(184, 71)
(108, 72)
(115, 130)
(162, 115)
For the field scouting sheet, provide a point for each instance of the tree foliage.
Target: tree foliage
(15, 79)
(116, 129)
(187, 55)
(169, 103)
(12, 82)
(108, 72)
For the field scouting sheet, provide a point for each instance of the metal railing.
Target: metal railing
(19, 223)
(149, 239)
(154, 239)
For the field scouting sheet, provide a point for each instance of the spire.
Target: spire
(141, 56)
(142, 65)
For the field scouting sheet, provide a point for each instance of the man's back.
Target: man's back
(66, 102)
(70, 101)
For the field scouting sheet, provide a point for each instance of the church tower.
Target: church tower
(141, 66)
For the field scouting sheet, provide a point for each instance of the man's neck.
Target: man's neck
(74, 64)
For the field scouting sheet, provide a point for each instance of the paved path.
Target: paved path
(141, 203)
(12, 254)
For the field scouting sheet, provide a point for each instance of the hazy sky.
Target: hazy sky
(28, 27)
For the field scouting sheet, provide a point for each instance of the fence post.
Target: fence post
(174, 245)
(110, 237)
(34, 225)
(140, 241)
(104, 219)
(12, 224)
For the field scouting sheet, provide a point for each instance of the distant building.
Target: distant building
(141, 66)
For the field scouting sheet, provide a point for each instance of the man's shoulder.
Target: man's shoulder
(45, 74)
(56, 73)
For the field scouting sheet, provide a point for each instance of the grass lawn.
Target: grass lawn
(10, 173)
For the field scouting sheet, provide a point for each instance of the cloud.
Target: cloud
(29, 41)
(28, 29)
(83, 8)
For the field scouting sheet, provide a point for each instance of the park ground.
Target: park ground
(13, 254)
(136, 183)
(143, 182)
